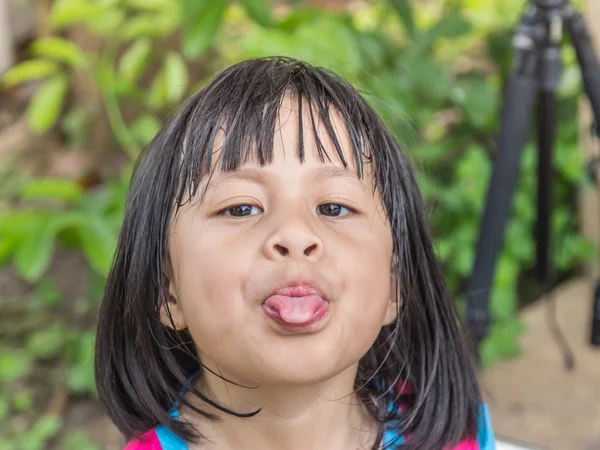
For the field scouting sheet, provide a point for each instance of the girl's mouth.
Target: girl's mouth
(298, 308)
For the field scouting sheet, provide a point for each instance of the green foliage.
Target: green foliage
(13, 365)
(259, 12)
(86, 220)
(405, 58)
(32, 69)
(203, 18)
(59, 49)
(134, 61)
(404, 9)
(78, 440)
(40, 340)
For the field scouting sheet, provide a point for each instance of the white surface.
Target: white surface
(510, 446)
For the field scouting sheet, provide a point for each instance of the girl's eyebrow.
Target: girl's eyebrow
(260, 175)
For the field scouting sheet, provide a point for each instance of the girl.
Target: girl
(275, 285)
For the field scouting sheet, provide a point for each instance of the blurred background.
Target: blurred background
(85, 85)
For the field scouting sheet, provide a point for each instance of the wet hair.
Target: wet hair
(141, 364)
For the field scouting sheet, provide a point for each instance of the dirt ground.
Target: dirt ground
(534, 399)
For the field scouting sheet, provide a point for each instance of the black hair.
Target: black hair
(141, 364)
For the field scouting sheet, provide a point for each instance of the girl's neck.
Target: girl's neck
(324, 416)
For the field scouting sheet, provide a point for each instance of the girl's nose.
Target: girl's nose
(295, 241)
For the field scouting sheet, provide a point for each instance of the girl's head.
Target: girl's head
(279, 178)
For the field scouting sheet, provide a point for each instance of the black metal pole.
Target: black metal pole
(588, 61)
(549, 78)
(546, 135)
(590, 71)
(518, 103)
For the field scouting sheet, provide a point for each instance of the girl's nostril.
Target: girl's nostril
(282, 250)
(310, 249)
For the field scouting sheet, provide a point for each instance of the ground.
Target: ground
(534, 398)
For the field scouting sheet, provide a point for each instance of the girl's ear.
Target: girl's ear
(171, 313)
(392, 309)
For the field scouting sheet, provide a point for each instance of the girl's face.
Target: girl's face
(313, 224)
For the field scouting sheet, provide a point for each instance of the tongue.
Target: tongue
(294, 310)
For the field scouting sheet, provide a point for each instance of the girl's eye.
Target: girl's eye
(333, 210)
(241, 211)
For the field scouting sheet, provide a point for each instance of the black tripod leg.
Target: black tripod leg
(588, 61)
(590, 70)
(550, 67)
(518, 105)
(546, 135)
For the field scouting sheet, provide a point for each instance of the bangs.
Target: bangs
(236, 119)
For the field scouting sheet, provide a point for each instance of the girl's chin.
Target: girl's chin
(300, 370)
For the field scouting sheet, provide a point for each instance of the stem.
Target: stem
(111, 103)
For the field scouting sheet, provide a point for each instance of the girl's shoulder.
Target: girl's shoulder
(160, 438)
(485, 436)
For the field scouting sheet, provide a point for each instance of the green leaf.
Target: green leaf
(145, 128)
(8, 244)
(23, 400)
(99, 243)
(327, 41)
(449, 26)
(4, 408)
(203, 19)
(148, 25)
(444, 249)
(176, 77)
(299, 17)
(46, 427)
(519, 241)
(22, 223)
(14, 365)
(404, 9)
(431, 153)
(157, 95)
(32, 69)
(59, 49)
(504, 303)
(258, 11)
(503, 342)
(81, 375)
(45, 108)
(150, 5)
(373, 49)
(472, 173)
(429, 78)
(135, 60)
(76, 122)
(463, 260)
(108, 22)
(52, 188)
(47, 343)
(48, 294)
(479, 100)
(34, 254)
(65, 13)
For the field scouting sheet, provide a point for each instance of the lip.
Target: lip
(301, 288)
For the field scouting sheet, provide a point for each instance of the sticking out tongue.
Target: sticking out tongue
(295, 310)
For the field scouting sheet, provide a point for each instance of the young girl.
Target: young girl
(275, 285)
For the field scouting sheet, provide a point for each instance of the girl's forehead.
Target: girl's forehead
(301, 136)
